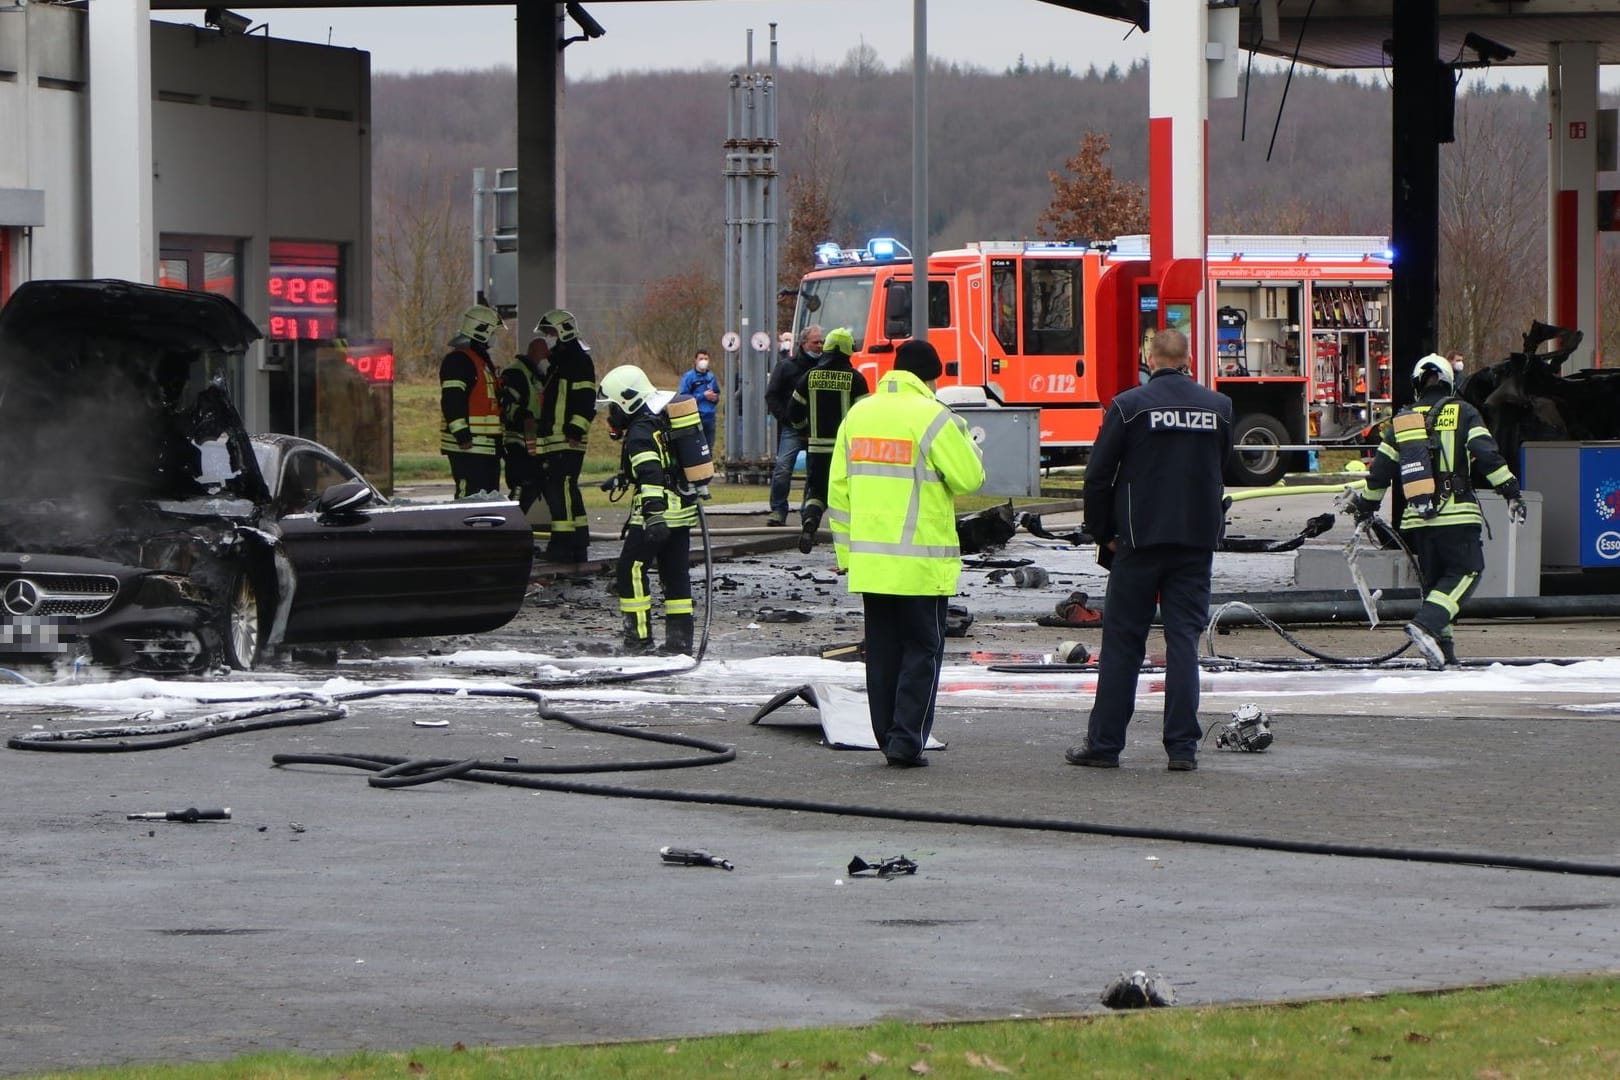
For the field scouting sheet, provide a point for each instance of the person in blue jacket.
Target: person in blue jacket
(699, 382)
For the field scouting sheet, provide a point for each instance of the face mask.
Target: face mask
(703, 365)
(814, 354)
(550, 340)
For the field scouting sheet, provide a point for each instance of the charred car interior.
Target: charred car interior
(141, 527)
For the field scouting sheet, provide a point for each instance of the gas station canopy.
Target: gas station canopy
(1327, 33)
(1356, 33)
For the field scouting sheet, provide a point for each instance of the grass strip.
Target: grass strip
(1547, 1027)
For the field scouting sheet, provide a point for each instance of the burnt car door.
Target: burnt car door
(368, 567)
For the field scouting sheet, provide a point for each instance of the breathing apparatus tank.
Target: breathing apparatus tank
(689, 448)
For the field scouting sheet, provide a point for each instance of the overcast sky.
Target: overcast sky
(698, 33)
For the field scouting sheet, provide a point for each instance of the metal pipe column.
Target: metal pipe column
(919, 170)
(1420, 81)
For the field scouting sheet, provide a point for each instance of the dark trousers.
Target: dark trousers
(674, 561)
(525, 475)
(788, 444)
(1450, 558)
(905, 644)
(570, 527)
(1177, 579)
(474, 473)
(817, 472)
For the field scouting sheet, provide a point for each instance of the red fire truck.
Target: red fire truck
(1298, 332)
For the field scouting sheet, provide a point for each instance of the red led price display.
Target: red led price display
(303, 302)
(377, 367)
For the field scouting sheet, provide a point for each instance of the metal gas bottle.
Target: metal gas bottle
(691, 450)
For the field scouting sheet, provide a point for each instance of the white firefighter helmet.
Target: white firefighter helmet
(479, 323)
(628, 387)
(559, 322)
(1433, 364)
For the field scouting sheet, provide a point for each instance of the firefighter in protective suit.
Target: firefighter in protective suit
(819, 403)
(661, 516)
(469, 400)
(568, 398)
(520, 414)
(1435, 459)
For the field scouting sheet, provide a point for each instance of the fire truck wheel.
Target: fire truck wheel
(1256, 461)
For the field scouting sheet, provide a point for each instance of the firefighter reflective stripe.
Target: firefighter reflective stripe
(1460, 450)
(677, 606)
(899, 459)
(822, 399)
(919, 551)
(1452, 599)
(469, 397)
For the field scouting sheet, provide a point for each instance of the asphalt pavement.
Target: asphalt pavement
(1406, 831)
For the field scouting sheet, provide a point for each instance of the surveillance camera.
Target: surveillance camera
(1488, 50)
(228, 22)
(592, 28)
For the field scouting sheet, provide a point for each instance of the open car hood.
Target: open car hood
(116, 392)
(164, 319)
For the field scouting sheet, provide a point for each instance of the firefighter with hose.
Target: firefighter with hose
(1434, 449)
(662, 513)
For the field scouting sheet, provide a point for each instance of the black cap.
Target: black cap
(919, 358)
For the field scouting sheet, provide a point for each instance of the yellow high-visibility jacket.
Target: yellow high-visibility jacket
(900, 459)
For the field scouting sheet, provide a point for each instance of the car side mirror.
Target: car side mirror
(343, 500)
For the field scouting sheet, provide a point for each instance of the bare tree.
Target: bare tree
(1492, 258)
(678, 315)
(1088, 203)
(422, 275)
(812, 193)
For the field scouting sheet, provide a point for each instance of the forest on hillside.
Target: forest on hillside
(645, 207)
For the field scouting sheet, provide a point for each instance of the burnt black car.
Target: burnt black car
(141, 526)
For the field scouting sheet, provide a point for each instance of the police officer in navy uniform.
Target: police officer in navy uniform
(1153, 501)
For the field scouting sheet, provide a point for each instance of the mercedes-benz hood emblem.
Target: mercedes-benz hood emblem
(22, 597)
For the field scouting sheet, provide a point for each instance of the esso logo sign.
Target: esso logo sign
(1608, 545)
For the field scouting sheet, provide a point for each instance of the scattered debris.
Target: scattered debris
(987, 529)
(431, 723)
(1071, 652)
(1025, 577)
(1138, 990)
(674, 856)
(190, 815)
(1032, 525)
(957, 620)
(899, 864)
(782, 615)
(1248, 729)
(1073, 610)
(854, 651)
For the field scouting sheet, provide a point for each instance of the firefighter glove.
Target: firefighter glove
(1517, 511)
(1360, 509)
(464, 440)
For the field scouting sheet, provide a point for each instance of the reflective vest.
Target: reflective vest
(467, 382)
(899, 461)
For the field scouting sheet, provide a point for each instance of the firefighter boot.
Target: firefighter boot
(677, 635)
(810, 521)
(1448, 649)
(634, 643)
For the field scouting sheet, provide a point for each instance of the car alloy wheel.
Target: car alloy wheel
(242, 625)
